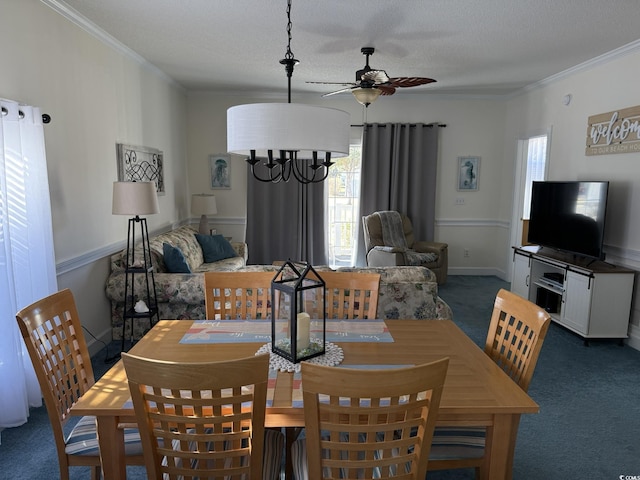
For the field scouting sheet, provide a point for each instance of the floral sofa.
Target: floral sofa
(405, 291)
(180, 295)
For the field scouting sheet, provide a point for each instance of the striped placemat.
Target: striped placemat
(254, 331)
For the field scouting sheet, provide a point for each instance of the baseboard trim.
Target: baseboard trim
(634, 337)
(478, 271)
(95, 343)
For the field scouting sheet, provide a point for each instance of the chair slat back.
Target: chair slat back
(516, 334)
(53, 335)
(238, 295)
(351, 295)
(200, 420)
(371, 423)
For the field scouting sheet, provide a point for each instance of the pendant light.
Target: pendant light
(288, 140)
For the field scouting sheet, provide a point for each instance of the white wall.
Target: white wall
(597, 88)
(97, 97)
(475, 126)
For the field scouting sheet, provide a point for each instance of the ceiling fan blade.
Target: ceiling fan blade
(346, 84)
(338, 91)
(385, 89)
(409, 81)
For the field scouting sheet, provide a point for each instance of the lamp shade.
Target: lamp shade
(134, 198)
(287, 126)
(203, 204)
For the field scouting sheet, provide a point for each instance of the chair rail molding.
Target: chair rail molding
(472, 222)
(87, 258)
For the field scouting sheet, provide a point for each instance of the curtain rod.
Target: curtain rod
(46, 118)
(441, 125)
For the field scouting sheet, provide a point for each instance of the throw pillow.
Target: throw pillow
(174, 259)
(215, 247)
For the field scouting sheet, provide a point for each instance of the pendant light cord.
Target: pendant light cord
(289, 54)
(289, 60)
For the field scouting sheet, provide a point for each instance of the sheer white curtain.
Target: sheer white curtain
(27, 263)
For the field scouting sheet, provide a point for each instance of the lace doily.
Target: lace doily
(333, 355)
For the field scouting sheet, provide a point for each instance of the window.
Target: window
(536, 168)
(343, 208)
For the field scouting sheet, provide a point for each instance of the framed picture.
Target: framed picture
(468, 172)
(220, 166)
(140, 164)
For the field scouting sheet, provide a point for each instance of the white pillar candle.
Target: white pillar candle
(304, 331)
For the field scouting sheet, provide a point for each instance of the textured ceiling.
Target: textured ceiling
(468, 46)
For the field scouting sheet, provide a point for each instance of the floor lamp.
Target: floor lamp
(137, 198)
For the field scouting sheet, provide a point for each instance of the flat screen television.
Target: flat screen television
(569, 216)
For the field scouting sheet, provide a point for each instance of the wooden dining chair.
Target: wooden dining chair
(351, 295)
(367, 424)
(238, 295)
(204, 420)
(514, 340)
(52, 333)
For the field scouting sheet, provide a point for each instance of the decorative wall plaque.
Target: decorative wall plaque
(140, 164)
(614, 132)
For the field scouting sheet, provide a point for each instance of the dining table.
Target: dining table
(476, 392)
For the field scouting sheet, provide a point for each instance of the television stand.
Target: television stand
(589, 297)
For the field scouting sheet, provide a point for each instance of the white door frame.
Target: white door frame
(520, 176)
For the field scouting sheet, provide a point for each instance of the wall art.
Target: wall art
(220, 166)
(140, 164)
(468, 171)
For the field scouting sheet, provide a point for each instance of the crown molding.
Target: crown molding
(92, 29)
(620, 52)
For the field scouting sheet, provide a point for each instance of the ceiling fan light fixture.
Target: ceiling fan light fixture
(366, 96)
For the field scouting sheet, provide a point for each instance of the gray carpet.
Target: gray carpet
(588, 426)
(589, 418)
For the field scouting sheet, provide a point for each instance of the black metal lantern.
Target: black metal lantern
(297, 312)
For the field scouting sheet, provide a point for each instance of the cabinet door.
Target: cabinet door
(521, 275)
(577, 302)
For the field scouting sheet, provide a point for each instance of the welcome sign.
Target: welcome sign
(614, 132)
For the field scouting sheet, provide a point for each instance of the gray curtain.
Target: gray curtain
(399, 164)
(285, 221)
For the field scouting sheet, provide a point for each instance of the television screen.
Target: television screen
(569, 216)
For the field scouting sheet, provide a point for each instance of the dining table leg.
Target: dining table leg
(111, 443)
(291, 434)
(500, 448)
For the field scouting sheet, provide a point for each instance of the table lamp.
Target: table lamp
(203, 205)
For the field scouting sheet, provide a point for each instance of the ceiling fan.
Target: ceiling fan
(371, 83)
